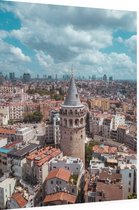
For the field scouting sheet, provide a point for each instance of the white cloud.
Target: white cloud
(61, 36)
(44, 60)
(131, 43)
(119, 39)
(19, 54)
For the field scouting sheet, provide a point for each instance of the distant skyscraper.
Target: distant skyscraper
(105, 77)
(94, 77)
(11, 75)
(49, 77)
(1, 78)
(110, 78)
(72, 124)
(26, 77)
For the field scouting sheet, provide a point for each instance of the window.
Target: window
(129, 189)
(52, 182)
(129, 183)
(70, 122)
(77, 122)
(72, 190)
(130, 175)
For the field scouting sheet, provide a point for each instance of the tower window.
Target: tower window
(81, 136)
(71, 138)
(81, 120)
(71, 112)
(76, 95)
(77, 122)
(70, 122)
(65, 122)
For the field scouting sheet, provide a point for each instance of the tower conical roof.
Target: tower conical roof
(72, 98)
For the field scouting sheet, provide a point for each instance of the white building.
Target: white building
(6, 189)
(74, 165)
(95, 165)
(128, 179)
(3, 141)
(61, 180)
(53, 129)
(25, 134)
(118, 119)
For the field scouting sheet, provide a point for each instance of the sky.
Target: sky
(48, 40)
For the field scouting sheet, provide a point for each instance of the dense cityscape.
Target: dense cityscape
(68, 105)
(66, 140)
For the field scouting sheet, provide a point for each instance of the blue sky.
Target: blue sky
(48, 39)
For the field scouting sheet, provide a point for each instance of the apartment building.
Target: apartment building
(7, 133)
(18, 109)
(4, 114)
(17, 160)
(6, 189)
(25, 134)
(128, 178)
(73, 164)
(107, 127)
(106, 187)
(37, 163)
(61, 180)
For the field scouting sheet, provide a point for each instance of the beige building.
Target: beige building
(103, 103)
(72, 125)
(4, 114)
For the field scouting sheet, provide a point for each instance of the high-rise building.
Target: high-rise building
(105, 77)
(73, 119)
(12, 76)
(94, 77)
(26, 77)
(110, 79)
(1, 78)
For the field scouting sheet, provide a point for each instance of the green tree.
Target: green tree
(10, 122)
(132, 196)
(36, 116)
(88, 151)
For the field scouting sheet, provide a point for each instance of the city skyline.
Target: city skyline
(95, 41)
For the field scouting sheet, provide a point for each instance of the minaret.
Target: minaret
(73, 124)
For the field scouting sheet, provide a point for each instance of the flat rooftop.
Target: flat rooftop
(24, 151)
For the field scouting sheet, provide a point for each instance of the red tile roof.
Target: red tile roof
(103, 149)
(7, 131)
(21, 201)
(60, 173)
(110, 191)
(60, 196)
(43, 155)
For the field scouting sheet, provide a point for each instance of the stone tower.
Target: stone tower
(72, 124)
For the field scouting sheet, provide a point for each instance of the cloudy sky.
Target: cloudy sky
(48, 39)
